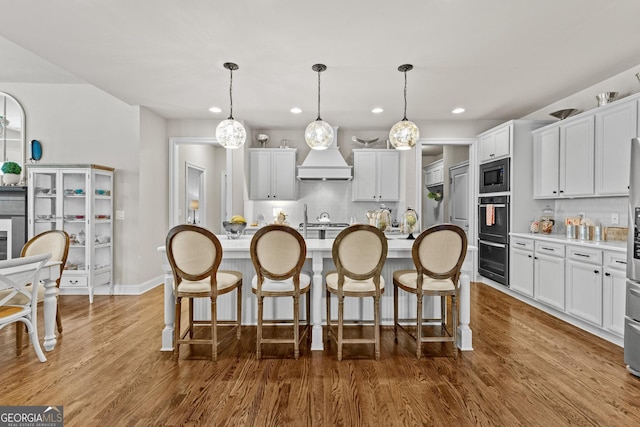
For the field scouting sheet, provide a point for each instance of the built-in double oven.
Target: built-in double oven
(493, 238)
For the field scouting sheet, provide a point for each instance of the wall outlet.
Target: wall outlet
(615, 218)
(120, 215)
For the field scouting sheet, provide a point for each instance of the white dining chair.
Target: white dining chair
(15, 277)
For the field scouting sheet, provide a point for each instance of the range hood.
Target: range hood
(325, 165)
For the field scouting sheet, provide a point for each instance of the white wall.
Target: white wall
(80, 124)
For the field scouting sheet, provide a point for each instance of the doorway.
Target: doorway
(195, 201)
(206, 154)
(459, 195)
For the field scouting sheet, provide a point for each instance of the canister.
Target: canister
(572, 231)
(598, 233)
(585, 232)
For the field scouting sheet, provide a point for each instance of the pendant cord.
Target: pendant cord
(231, 95)
(405, 96)
(318, 96)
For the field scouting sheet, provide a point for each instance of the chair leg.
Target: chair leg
(19, 333)
(395, 313)
(309, 331)
(32, 328)
(191, 318)
(340, 324)
(443, 315)
(419, 327)
(214, 329)
(376, 316)
(239, 309)
(296, 326)
(328, 300)
(58, 319)
(176, 329)
(259, 337)
(454, 326)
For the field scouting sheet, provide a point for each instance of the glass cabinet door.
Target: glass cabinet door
(74, 185)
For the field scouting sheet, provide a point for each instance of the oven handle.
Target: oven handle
(501, 205)
(496, 245)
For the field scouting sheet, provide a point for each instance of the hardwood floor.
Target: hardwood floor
(527, 368)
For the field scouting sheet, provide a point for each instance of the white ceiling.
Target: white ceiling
(500, 59)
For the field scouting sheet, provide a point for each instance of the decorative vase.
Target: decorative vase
(10, 178)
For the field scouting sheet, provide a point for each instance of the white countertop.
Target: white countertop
(609, 245)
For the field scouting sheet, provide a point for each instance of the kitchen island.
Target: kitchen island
(236, 256)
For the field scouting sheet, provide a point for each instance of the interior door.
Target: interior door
(459, 195)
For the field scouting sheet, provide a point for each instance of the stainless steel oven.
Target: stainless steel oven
(494, 176)
(493, 235)
(493, 261)
(493, 218)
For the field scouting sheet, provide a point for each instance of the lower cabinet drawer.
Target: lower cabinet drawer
(587, 255)
(71, 281)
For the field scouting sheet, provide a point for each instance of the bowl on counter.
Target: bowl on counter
(234, 229)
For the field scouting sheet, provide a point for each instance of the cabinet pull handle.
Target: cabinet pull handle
(582, 255)
(607, 274)
(596, 271)
(546, 248)
(621, 262)
(73, 281)
(520, 244)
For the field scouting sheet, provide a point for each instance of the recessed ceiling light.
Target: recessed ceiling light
(296, 110)
(215, 110)
(377, 110)
(458, 110)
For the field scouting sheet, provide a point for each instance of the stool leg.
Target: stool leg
(239, 309)
(259, 338)
(328, 300)
(214, 329)
(376, 316)
(395, 313)
(176, 329)
(340, 324)
(419, 327)
(454, 308)
(296, 326)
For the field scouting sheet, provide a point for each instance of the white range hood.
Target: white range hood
(325, 165)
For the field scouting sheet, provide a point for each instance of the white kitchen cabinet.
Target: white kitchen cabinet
(434, 173)
(574, 174)
(546, 161)
(614, 292)
(521, 272)
(584, 284)
(615, 126)
(376, 175)
(272, 174)
(79, 200)
(548, 274)
(495, 143)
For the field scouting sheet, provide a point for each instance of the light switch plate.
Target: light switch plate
(615, 218)
(120, 215)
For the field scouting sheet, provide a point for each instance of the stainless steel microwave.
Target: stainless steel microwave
(494, 176)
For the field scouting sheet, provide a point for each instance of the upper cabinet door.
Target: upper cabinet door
(615, 126)
(577, 157)
(546, 163)
(260, 175)
(283, 175)
(389, 176)
(495, 144)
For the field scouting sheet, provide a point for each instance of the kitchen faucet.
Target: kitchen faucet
(304, 224)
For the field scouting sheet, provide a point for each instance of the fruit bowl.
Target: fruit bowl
(234, 229)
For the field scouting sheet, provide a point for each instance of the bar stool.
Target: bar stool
(278, 253)
(195, 254)
(438, 254)
(359, 252)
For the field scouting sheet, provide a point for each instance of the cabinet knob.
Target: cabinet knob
(596, 271)
(562, 191)
(555, 192)
(530, 256)
(607, 274)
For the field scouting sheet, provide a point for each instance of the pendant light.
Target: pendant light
(319, 134)
(230, 133)
(404, 134)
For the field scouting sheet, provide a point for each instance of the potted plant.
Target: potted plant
(11, 173)
(435, 195)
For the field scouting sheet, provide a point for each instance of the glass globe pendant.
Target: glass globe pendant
(404, 134)
(230, 133)
(319, 134)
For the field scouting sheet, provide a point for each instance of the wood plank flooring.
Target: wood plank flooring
(527, 369)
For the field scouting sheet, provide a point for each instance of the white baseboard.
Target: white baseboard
(118, 289)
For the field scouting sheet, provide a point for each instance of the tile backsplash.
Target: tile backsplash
(598, 210)
(333, 197)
